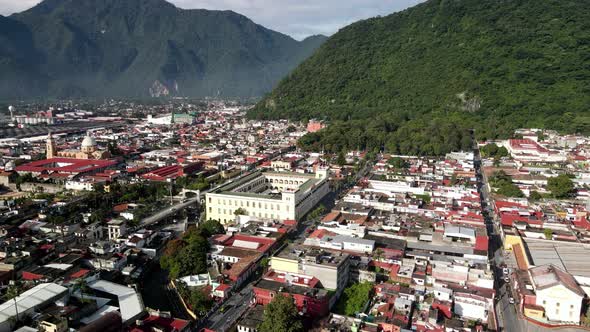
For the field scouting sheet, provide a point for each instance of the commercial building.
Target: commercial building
(312, 302)
(331, 269)
(268, 195)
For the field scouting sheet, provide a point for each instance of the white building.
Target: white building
(268, 195)
(558, 292)
(116, 229)
(471, 306)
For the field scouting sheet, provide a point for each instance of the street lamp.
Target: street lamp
(171, 181)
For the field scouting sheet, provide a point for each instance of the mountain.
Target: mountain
(416, 81)
(134, 48)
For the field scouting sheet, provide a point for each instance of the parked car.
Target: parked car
(506, 271)
(511, 300)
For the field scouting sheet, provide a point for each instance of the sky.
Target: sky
(297, 18)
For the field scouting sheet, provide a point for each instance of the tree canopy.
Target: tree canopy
(504, 186)
(187, 256)
(354, 298)
(281, 315)
(561, 186)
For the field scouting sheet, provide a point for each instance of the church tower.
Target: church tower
(51, 150)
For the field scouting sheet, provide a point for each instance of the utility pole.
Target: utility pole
(171, 181)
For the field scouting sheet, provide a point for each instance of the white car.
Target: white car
(506, 271)
(511, 300)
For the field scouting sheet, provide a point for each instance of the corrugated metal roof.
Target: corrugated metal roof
(30, 299)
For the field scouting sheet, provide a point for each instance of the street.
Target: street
(223, 319)
(167, 212)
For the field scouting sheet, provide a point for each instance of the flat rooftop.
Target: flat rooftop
(324, 257)
(276, 286)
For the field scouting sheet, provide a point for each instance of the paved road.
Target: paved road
(234, 308)
(167, 212)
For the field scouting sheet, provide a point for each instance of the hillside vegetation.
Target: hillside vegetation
(416, 81)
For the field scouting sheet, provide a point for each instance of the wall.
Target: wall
(282, 264)
(560, 304)
(41, 187)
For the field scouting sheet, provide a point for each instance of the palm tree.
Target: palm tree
(82, 286)
(11, 294)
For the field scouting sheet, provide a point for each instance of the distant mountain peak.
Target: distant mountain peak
(120, 48)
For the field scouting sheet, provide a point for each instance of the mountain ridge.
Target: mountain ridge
(123, 48)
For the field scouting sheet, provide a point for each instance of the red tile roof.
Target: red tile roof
(65, 165)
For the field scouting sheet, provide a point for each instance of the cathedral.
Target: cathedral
(88, 150)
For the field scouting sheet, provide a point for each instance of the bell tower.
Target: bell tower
(51, 150)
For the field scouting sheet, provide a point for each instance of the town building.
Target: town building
(558, 293)
(88, 150)
(268, 195)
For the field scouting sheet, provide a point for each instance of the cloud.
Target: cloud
(8, 7)
(297, 18)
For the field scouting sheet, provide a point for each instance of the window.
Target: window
(571, 306)
(557, 304)
(544, 302)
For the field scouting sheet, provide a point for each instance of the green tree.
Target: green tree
(509, 190)
(240, 212)
(548, 233)
(211, 227)
(187, 256)
(341, 159)
(317, 212)
(200, 301)
(378, 256)
(354, 298)
(281, 315)
(535, 196)
(398, 163)
(561, 186)
(81, 285)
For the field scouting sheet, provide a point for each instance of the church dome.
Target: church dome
(88, 142)
(10, 166)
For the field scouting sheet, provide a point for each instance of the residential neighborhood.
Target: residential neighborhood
(205, 220)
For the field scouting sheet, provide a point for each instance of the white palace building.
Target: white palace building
(268, 195)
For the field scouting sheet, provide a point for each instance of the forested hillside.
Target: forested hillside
(416, 81)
